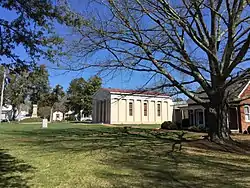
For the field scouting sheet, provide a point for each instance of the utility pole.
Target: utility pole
(2, 90)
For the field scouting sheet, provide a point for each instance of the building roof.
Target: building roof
(233, 91)
(131, 91)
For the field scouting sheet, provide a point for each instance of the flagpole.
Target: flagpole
(2, 90)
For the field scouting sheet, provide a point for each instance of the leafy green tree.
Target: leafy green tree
(44, 111)
(91, 86)
(31, 85)
(75, 94)
(80, 94)
(38, 83)
(16, 91)
(55, 100)
(33, 29)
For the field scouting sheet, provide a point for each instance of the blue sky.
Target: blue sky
(63, 77)
(121, 80)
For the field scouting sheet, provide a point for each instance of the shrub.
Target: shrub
(70, 118)
(248, 129)
(185, 123)
(195, 128)
(178, 125)
(169, 125)
(31, 120)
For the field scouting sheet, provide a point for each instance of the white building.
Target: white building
(57, 116)
(115, 106)
(7, 112)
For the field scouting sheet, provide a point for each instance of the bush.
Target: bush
(185, 123)
(70, 118)
(248, 129)
(178, 125)
(169, 125)
(31, 120)
(195, 128)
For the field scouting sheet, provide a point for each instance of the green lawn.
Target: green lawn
(76, 155)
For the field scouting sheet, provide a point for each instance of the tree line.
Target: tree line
(32, 87)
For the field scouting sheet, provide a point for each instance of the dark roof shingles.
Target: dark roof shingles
(233, 91)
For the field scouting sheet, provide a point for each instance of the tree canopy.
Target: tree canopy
(32, 28)
(31, 85)
(38, 83)
(80, 94)
(54, 100)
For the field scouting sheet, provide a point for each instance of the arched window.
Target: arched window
(247, 113)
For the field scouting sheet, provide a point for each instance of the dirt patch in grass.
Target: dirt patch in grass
(238, 147)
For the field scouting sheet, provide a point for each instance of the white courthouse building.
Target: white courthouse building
(116, 106)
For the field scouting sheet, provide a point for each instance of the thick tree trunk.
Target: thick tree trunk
(218, 120)
(14, 109)
(51, 115)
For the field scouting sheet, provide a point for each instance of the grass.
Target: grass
(77, 155)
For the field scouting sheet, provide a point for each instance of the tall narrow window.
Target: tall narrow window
(145, 109)
(130, 109)
(191, 117)
(200, 116)
(158, 109)
(247, 113)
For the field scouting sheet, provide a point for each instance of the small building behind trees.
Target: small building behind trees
(117, 106)
(58, 116)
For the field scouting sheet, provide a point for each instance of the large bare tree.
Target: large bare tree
(188, 42)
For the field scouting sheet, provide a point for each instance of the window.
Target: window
(158, 109)
(145, 109)
(130, 109)
(247, 113)
(191, 117)
(200, 115)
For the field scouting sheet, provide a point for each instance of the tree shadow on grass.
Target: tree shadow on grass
(12, 171)
(182, 171)
(143, 158)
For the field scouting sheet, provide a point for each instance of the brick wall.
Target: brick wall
(243, 103)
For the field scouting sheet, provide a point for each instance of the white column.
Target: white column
(93, 111)
(168, 113)
(161, 103)
(126, 110)
(108, 111)
(148, 105)
(118, 110)
(142, 111)
(102, 107)
(155, 113)
(133, 102)
(96, 111)
(100, 111)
